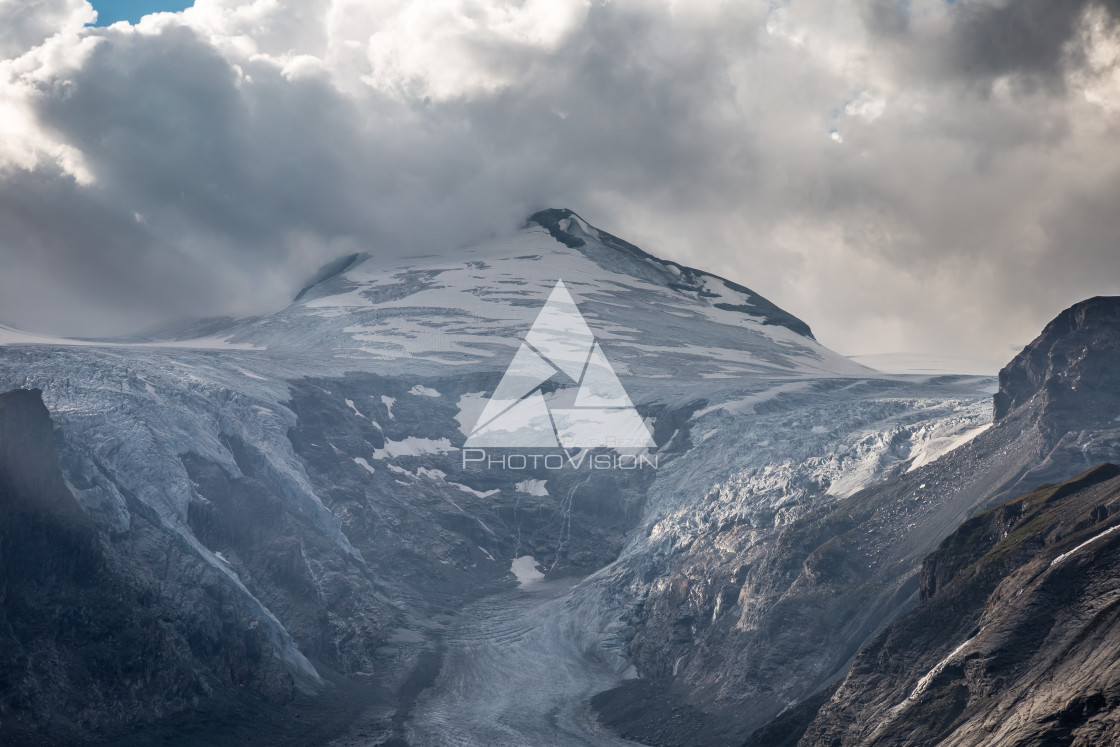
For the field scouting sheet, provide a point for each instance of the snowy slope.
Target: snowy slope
(653, 319)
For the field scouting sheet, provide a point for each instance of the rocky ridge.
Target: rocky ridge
(1016, 639)
(85, 645)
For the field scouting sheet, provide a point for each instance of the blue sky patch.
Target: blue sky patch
(111, 11)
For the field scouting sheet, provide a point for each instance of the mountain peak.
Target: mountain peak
(616, 255)
(1072, 369)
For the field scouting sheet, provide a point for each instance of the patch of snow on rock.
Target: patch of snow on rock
(413, 446)
(533, 487)
(525, 568)
(388, 402)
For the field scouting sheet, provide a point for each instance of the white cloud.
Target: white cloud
(28, 23)
(39, 41)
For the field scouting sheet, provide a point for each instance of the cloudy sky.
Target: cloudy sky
(905, 175)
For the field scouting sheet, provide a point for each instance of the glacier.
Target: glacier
(352, 402)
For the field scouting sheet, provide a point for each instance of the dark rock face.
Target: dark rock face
(1071, 368)
(91, 641)
(327, 601)
(401, 519)
(129, 637)
(1016, 640)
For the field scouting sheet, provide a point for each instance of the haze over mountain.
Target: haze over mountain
(928, 176)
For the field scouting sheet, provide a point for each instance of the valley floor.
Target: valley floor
(515, 670)
(515, 673)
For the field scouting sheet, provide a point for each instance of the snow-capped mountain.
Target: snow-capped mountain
(657, 317)
(308, 464)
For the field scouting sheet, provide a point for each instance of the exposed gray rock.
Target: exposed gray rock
(1016, 640)
(1070, 369)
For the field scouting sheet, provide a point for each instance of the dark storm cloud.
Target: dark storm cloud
(254, 185)
(249, 170)
(166, 129)
(63, 252)
(878, 167)
(887, 17)
(1027, 38)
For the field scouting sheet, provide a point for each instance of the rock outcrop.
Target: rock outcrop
(1070, 369)
(1016, 639)
(90, 641)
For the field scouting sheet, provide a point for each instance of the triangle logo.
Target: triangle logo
(560, 347)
